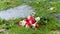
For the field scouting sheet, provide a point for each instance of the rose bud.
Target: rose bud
(35, 25)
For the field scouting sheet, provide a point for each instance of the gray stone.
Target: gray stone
(21, 11)
(57, 15)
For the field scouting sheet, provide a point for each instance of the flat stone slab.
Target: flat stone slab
(57, 15)
(21, 11)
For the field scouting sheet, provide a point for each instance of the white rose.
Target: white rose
(37, 19)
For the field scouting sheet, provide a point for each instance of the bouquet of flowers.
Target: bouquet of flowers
(30, 21)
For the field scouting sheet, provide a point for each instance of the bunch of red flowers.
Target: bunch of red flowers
(30, 21)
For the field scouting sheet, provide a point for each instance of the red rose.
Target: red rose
(26, 20)
(28, 24)
(32, 19)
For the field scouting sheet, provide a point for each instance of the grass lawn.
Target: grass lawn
(42, 7)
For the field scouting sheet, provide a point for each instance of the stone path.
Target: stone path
(17, 12)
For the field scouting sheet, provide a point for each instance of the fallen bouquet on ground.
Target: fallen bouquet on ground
(32, 22)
